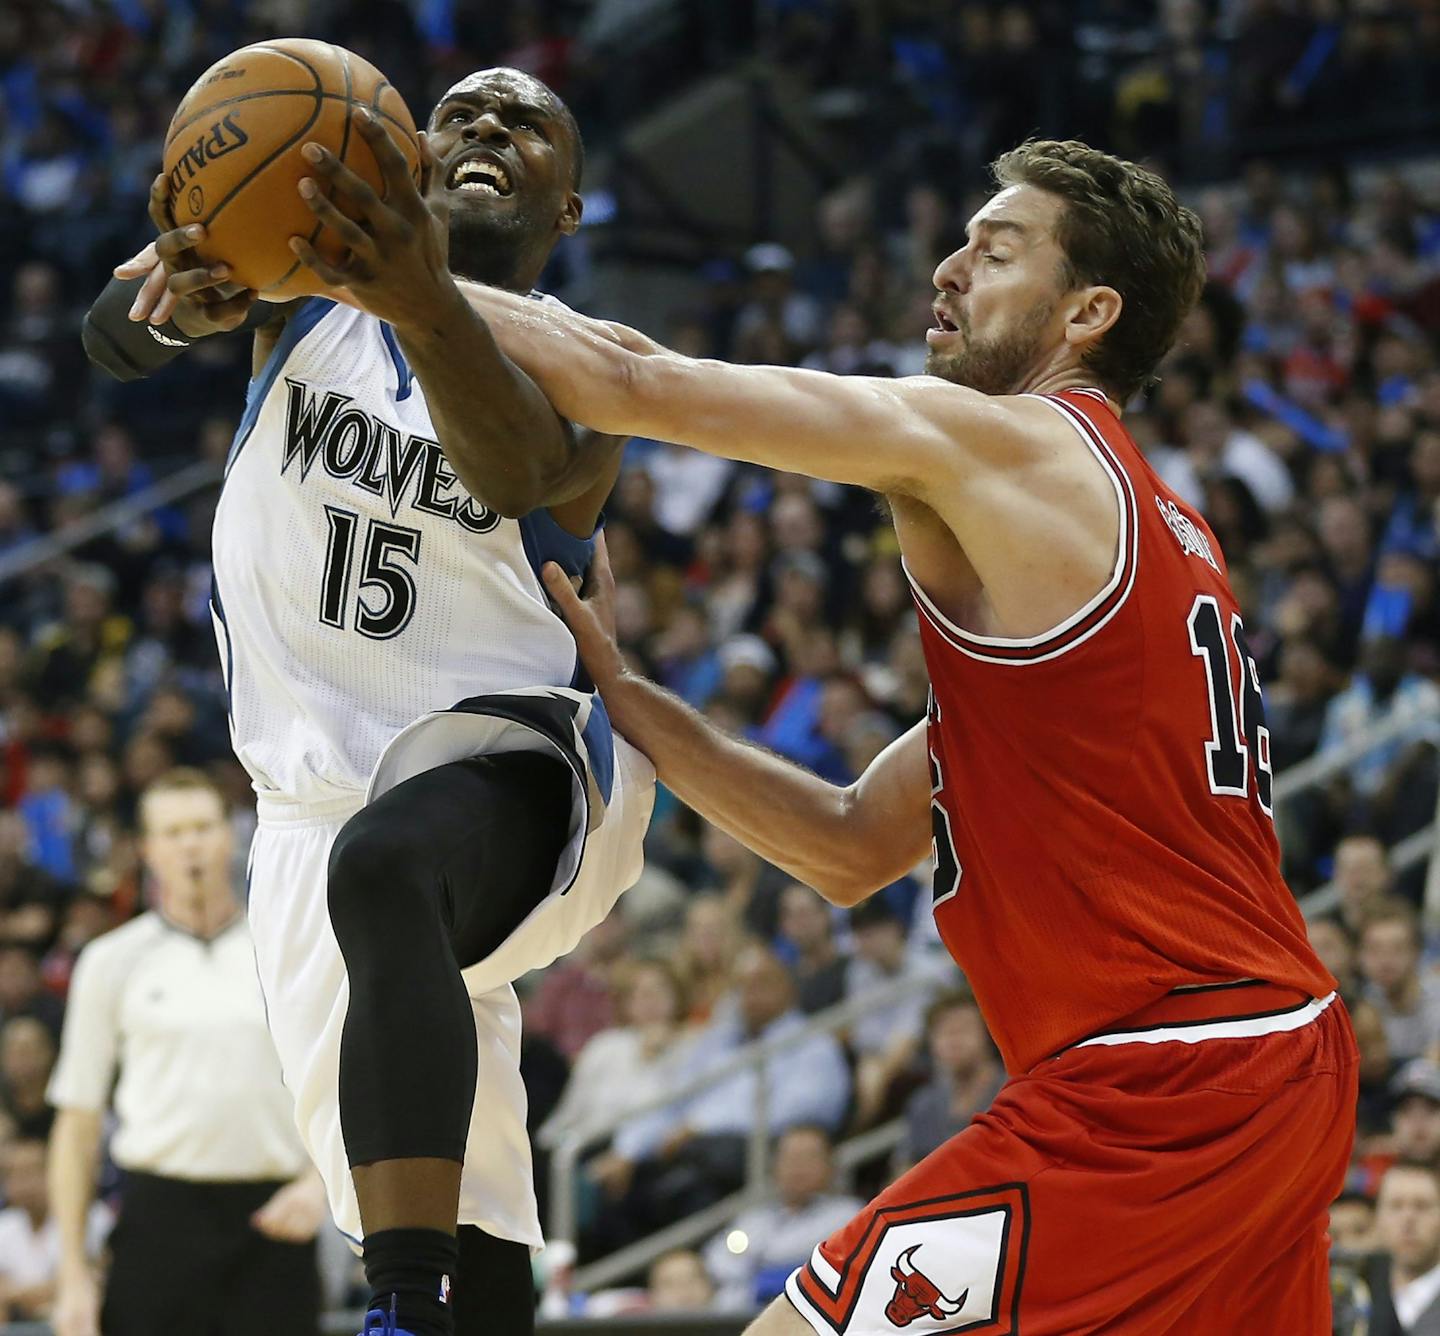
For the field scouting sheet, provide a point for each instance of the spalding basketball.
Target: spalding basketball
(232, 153)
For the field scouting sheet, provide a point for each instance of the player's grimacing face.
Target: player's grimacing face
(506, 153)
(997, 297)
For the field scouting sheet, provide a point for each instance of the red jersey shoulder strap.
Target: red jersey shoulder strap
(1084, 623)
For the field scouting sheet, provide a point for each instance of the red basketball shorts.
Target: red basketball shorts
(1171, 1179)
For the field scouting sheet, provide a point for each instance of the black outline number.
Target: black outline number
(385, 544)
(339, 556)
(942, 838)
(1239, 740)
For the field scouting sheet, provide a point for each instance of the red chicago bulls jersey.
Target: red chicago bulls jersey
(1102, 808)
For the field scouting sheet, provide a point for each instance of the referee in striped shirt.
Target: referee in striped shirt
(218, 1206)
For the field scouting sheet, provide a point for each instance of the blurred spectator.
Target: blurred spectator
(1337, 947)
(1414, 524)
(29, 1236)
(575, 998)
(1352, 1223)
(1295, 701)
(966, 1075)
(624, 1067)
(777, 323)
(886, 1037)
(739, 877)
(678, 1283)
(1362, 877)
(22, 990)
(69, 653)
(1381, 693)
(1375, 1070)
(1416, 1120)
(31, 899)
(751, 1258)
(1408, 1002)
(670, 1163)
(27, 1057)
(807, 927)
(706, 953)
(1405, 1277)
(1414, 1131)
(49, 812)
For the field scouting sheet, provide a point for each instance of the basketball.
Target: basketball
(232, 153)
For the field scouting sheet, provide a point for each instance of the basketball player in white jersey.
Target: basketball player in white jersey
(392, 492)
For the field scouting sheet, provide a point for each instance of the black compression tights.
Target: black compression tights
(425, 881)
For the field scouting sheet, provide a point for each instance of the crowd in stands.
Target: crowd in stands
(1300, 412)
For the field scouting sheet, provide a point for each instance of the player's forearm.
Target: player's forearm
(787, 815)
(127, 349)
(620, 382)
(74, 1160)
(508, 445)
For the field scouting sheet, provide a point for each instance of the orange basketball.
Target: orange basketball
(232, 153)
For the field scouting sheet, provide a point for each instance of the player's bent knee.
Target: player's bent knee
(780, 1319)
(372, 863)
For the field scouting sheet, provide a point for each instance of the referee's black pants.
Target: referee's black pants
(185, 1259)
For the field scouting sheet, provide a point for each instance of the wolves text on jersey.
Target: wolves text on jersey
(1191, 538)
(353, 446)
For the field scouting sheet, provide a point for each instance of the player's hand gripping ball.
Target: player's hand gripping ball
(233, 161)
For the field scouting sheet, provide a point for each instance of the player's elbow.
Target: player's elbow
(513, 485)
(513, 503)
(852, 871)
(841, 888)
(860, 854)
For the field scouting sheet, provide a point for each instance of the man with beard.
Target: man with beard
(1093, 783)
(393, 490)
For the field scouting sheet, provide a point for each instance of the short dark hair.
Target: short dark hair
(577, 165)
(1121, 226)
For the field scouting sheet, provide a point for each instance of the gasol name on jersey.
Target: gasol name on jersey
(353, 446)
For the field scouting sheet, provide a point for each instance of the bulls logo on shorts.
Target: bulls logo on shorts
(949, 1264)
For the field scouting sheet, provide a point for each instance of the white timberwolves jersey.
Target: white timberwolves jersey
(357, 584)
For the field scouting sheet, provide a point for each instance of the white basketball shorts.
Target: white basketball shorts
(302, 973)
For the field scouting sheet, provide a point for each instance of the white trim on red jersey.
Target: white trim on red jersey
(1111, 598)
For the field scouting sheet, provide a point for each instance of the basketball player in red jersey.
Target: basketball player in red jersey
(1093, 779)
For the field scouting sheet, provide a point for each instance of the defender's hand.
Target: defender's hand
(591, 620)
(397, 257)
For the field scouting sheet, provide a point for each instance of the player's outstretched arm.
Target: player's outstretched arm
(845, 842)
(511, 449)
(903, 436)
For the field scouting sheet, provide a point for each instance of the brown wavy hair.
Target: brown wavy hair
(1122, 227)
